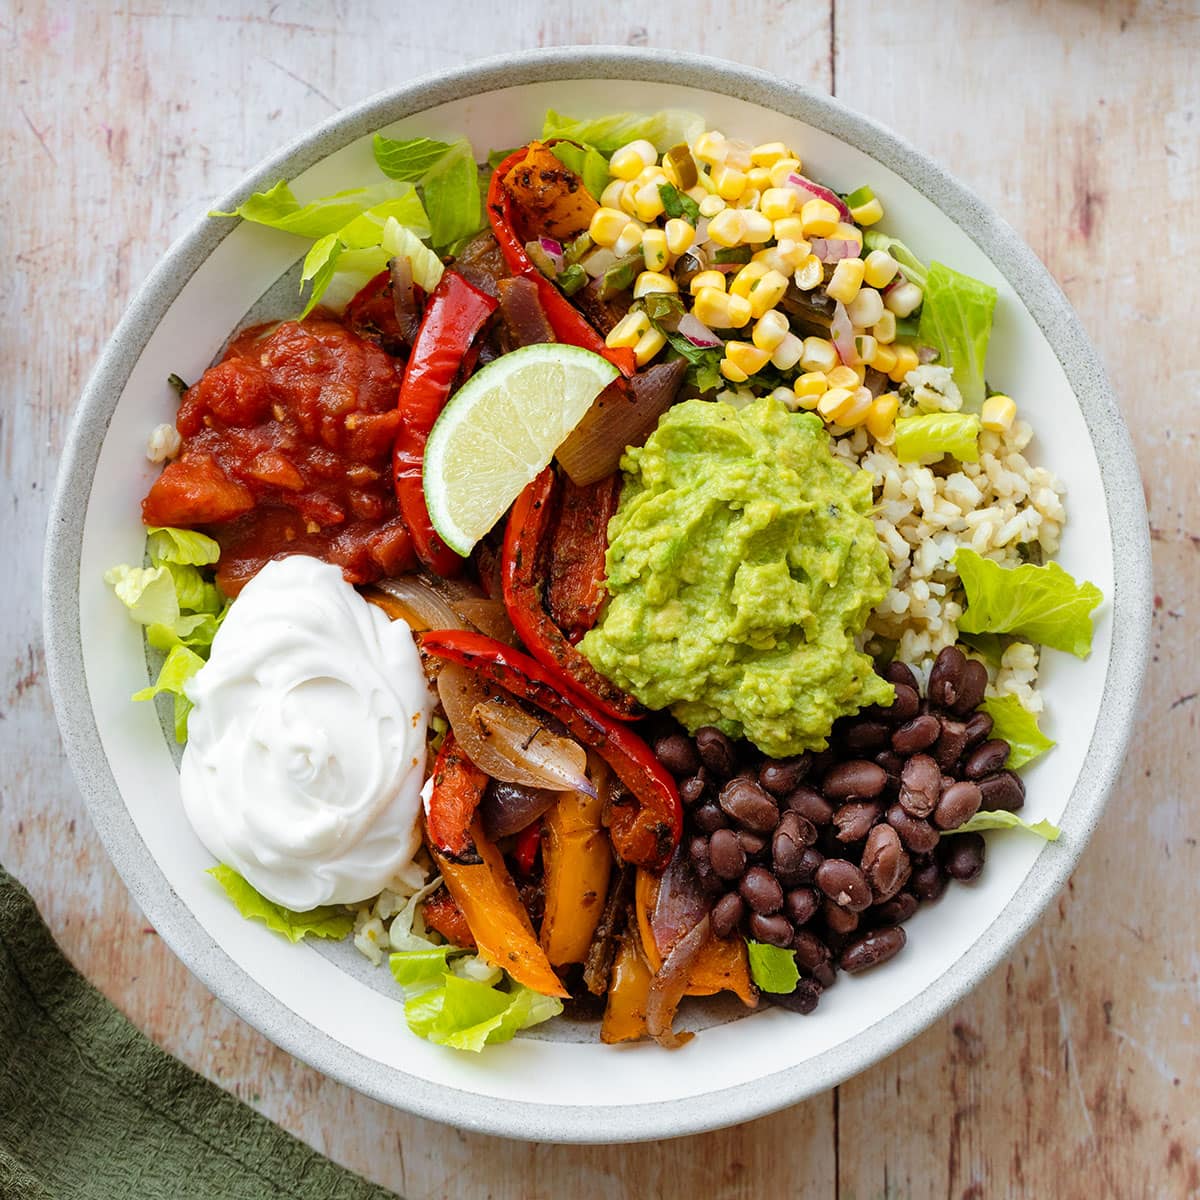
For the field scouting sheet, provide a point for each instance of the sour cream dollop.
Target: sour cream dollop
(306, 746)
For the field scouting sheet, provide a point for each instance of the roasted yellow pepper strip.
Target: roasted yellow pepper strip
(489, 900)
(578, 859)
(629, 985)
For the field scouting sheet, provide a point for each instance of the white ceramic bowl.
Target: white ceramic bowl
(344, 1017)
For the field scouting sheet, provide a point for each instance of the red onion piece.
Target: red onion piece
(841, 330)
(830, 250)
(816, 191)
(926, 354)
(559, 763)
(698, 333)
(507, 808)
(669, 984)
(554, 250)
(681, 903)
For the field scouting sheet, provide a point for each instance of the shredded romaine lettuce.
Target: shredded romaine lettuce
(928, 437)
(180, 665)
(1043, 604)
(999, 819)
(608, 133)
(408, 160)
(956, 320)
(772, 969)
(330, 921)
(452, 196)
(184, 546)
(1016, 725)
(913, 268)
(587, 162)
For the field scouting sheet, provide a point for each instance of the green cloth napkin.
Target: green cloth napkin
(92, 1110)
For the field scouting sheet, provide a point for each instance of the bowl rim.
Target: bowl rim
(1131, 606)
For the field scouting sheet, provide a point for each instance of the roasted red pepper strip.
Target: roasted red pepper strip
(458, 786)
(523, 573)
(455, 314)
(568, 323)
(529, 842)
(576, 592)
(644, 833)
(442, 913)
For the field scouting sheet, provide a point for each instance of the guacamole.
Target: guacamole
(741, 564)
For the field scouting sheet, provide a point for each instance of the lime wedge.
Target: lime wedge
(500, 429)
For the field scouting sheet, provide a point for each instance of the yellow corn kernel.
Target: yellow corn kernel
(759, 177)
(820, 354)
(767, 292)
(699, 192)
(833, 401)
(906, 360)
(648, 203)
(630, 239)
(842, 377)
(866, 346)
(632, 159)
(733, 372)
(768, 154)
(628, 331)
(810, 387)
(881, 419)
(731, 182)
(849, 233)
(718, 310)
(652, 174)
(654, 249)
(746, 357)
(793, 253)
(789, 228)
(629, 193)
(679, 235)
(885, 328)
(885, 357)
(607, 225)
(711, 205)
(747, 277)
(739, 312)
(726, 227)
(998, 413)
(771, 258)
(756, 229)
(711, 147)
(611, 196)
(653, 281)
(776, 204)
(787, 354)
(879, 269)
(769, 330)
(866, 308)
(648, 345)
(847, 279)
(809, 273)
(869, 213)
(904, 299)
(857, 411)
(707, 279)
(782, 168)
(738, 155)
(860, 371)
(785, 396)
(748, 199)
(820, 218)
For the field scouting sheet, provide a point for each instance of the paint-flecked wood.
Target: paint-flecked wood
(1073, 1070)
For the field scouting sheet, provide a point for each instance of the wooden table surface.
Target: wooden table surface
(1073, 1070)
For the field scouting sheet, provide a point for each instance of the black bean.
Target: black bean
(803, 1000)
(727, 914)
(811, 952)
(900, 674)
(928, 881)
(971, 687)
(844, 884)
(678, 754)
(775, 930)
(744, 801)
(946, 677)
(800, 904)
(752, 843)
(806, 872)
(760, 889)
(726, 854)
(905, 706)
(884, 863)
(920, 785)
(1004, 790)
(897, 910)
(839, 921)
(916, 735)
(986, 759)
(716, 751)
(709, 817)
(978, 728)
(857, 779)
(811, 805)
(702, 864)
(891, 762)
(877, 947)
(863, 737)
(962, 855)
(950, 744)
(789, 841)
(853, 821)
(693, 789)
(916, 834)
(959, 803)
(781, 776)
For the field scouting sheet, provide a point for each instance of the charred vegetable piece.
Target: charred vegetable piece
(577, 861)
(372, 314)
(457, 311)
(548, 198)
(458, 786)
(521, 308)
(442, 913)
(526, 550)
(576, 591)
(628, 991)
(617, 916)
(491, 904)
(644, 825)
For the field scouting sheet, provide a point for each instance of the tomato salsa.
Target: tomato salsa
(287, 448)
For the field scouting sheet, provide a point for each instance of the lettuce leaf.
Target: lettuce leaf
(1040, 603)
(416, 970)
(911, 265)
(407, 160)
(399, 240)
(184, 546)
(329, 921)
(999, 819)
(452, 196)
(704, 373)
(927, 437)
(279, 208)
(180, 665)
(1013, 722)
(587, 162)
(956, 320)
(147, 592)
(772, 969)
(665, 129)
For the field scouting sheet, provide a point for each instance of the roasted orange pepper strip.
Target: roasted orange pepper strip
(499, 923)
(625, 1012)
(577, 860)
